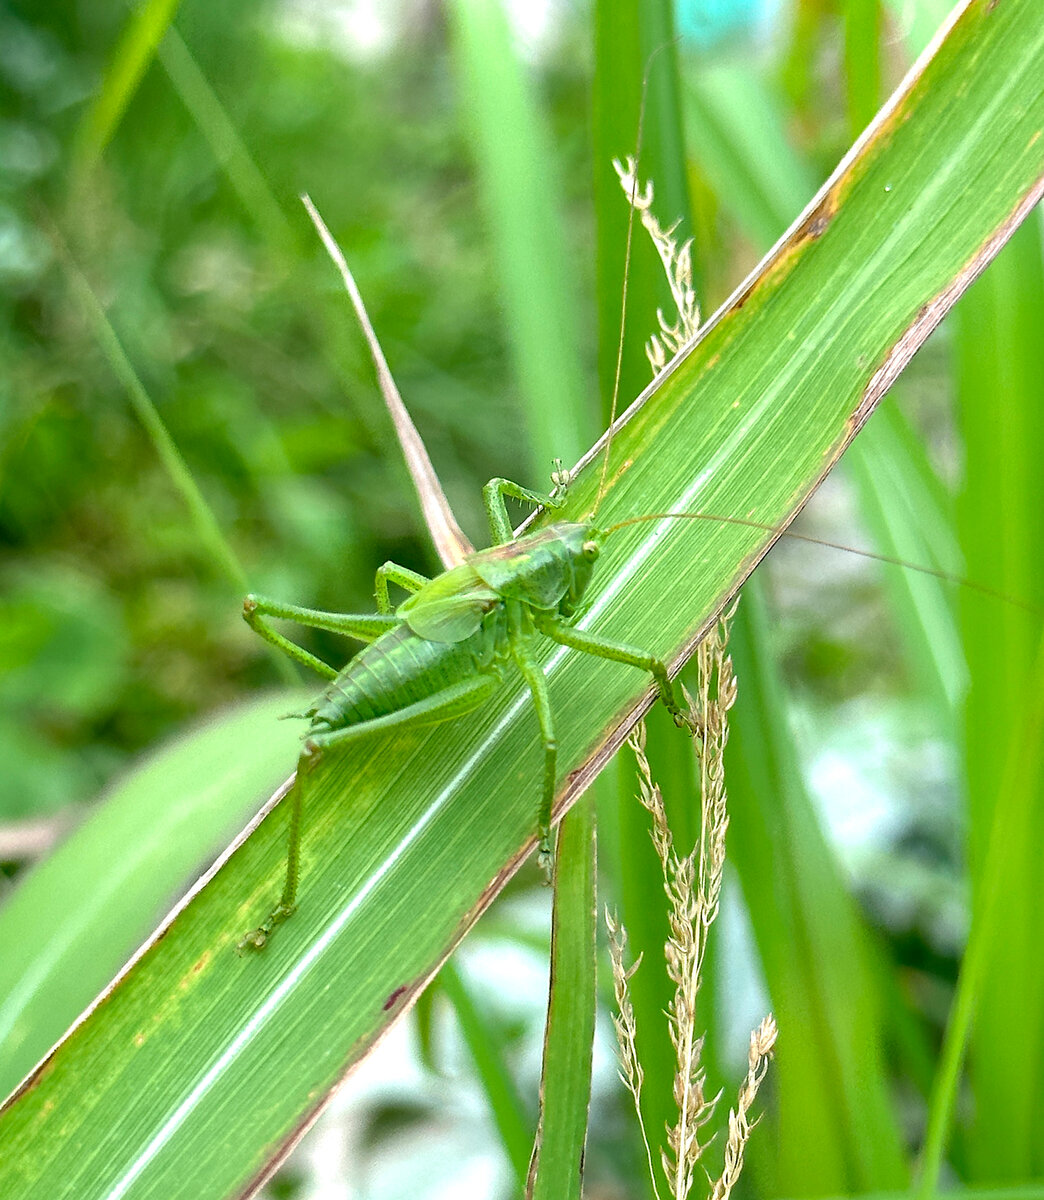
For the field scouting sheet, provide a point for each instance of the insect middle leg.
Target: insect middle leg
(444, 705)
(365, 627)
(537, 681)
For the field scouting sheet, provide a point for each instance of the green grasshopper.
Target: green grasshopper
(440, 654)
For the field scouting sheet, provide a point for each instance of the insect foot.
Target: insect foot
(545, 858)
(560, 480)
(311, 753)
(257, 938)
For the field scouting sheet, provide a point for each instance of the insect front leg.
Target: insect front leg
(364, 627)
(577, 639)
(493, 498)
(389, 572)
(534, 676)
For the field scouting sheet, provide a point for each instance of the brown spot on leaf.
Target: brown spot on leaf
(396, 995)
(818, 219)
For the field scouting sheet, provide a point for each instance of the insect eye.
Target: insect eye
(590, 549)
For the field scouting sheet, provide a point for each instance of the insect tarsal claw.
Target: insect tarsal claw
(545, 860)
(254, 940)
(257, 938)
(560, 479)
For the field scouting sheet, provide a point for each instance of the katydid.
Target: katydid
(440, 654)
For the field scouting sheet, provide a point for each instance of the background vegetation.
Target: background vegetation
(173, 189)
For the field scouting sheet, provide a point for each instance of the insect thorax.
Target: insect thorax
(549, 569)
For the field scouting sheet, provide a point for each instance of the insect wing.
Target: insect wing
(451, 607)
(536, 569)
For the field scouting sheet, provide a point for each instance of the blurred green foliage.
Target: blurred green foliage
(116, 626)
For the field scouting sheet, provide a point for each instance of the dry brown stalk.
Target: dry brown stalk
(677, 266)
(762, 1041)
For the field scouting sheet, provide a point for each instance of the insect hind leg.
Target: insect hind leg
(287, 906)
(578, 639)
(444, 705)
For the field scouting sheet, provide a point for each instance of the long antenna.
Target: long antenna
(936, 572)
(626, 277)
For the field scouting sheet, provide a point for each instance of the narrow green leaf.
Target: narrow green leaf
(228, 148)
(504, 1104)
(206, 525)
(636, 81)
(863, 28)
(829, 1074)
(145, 27)
(1000, 332)
(556, 1169)
(1013, 838)
(516, 171)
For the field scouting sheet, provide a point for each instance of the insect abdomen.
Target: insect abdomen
(396, 670)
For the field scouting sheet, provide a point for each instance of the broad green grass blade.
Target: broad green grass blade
(80, 915)
(556, 1172)
(201, 1068)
